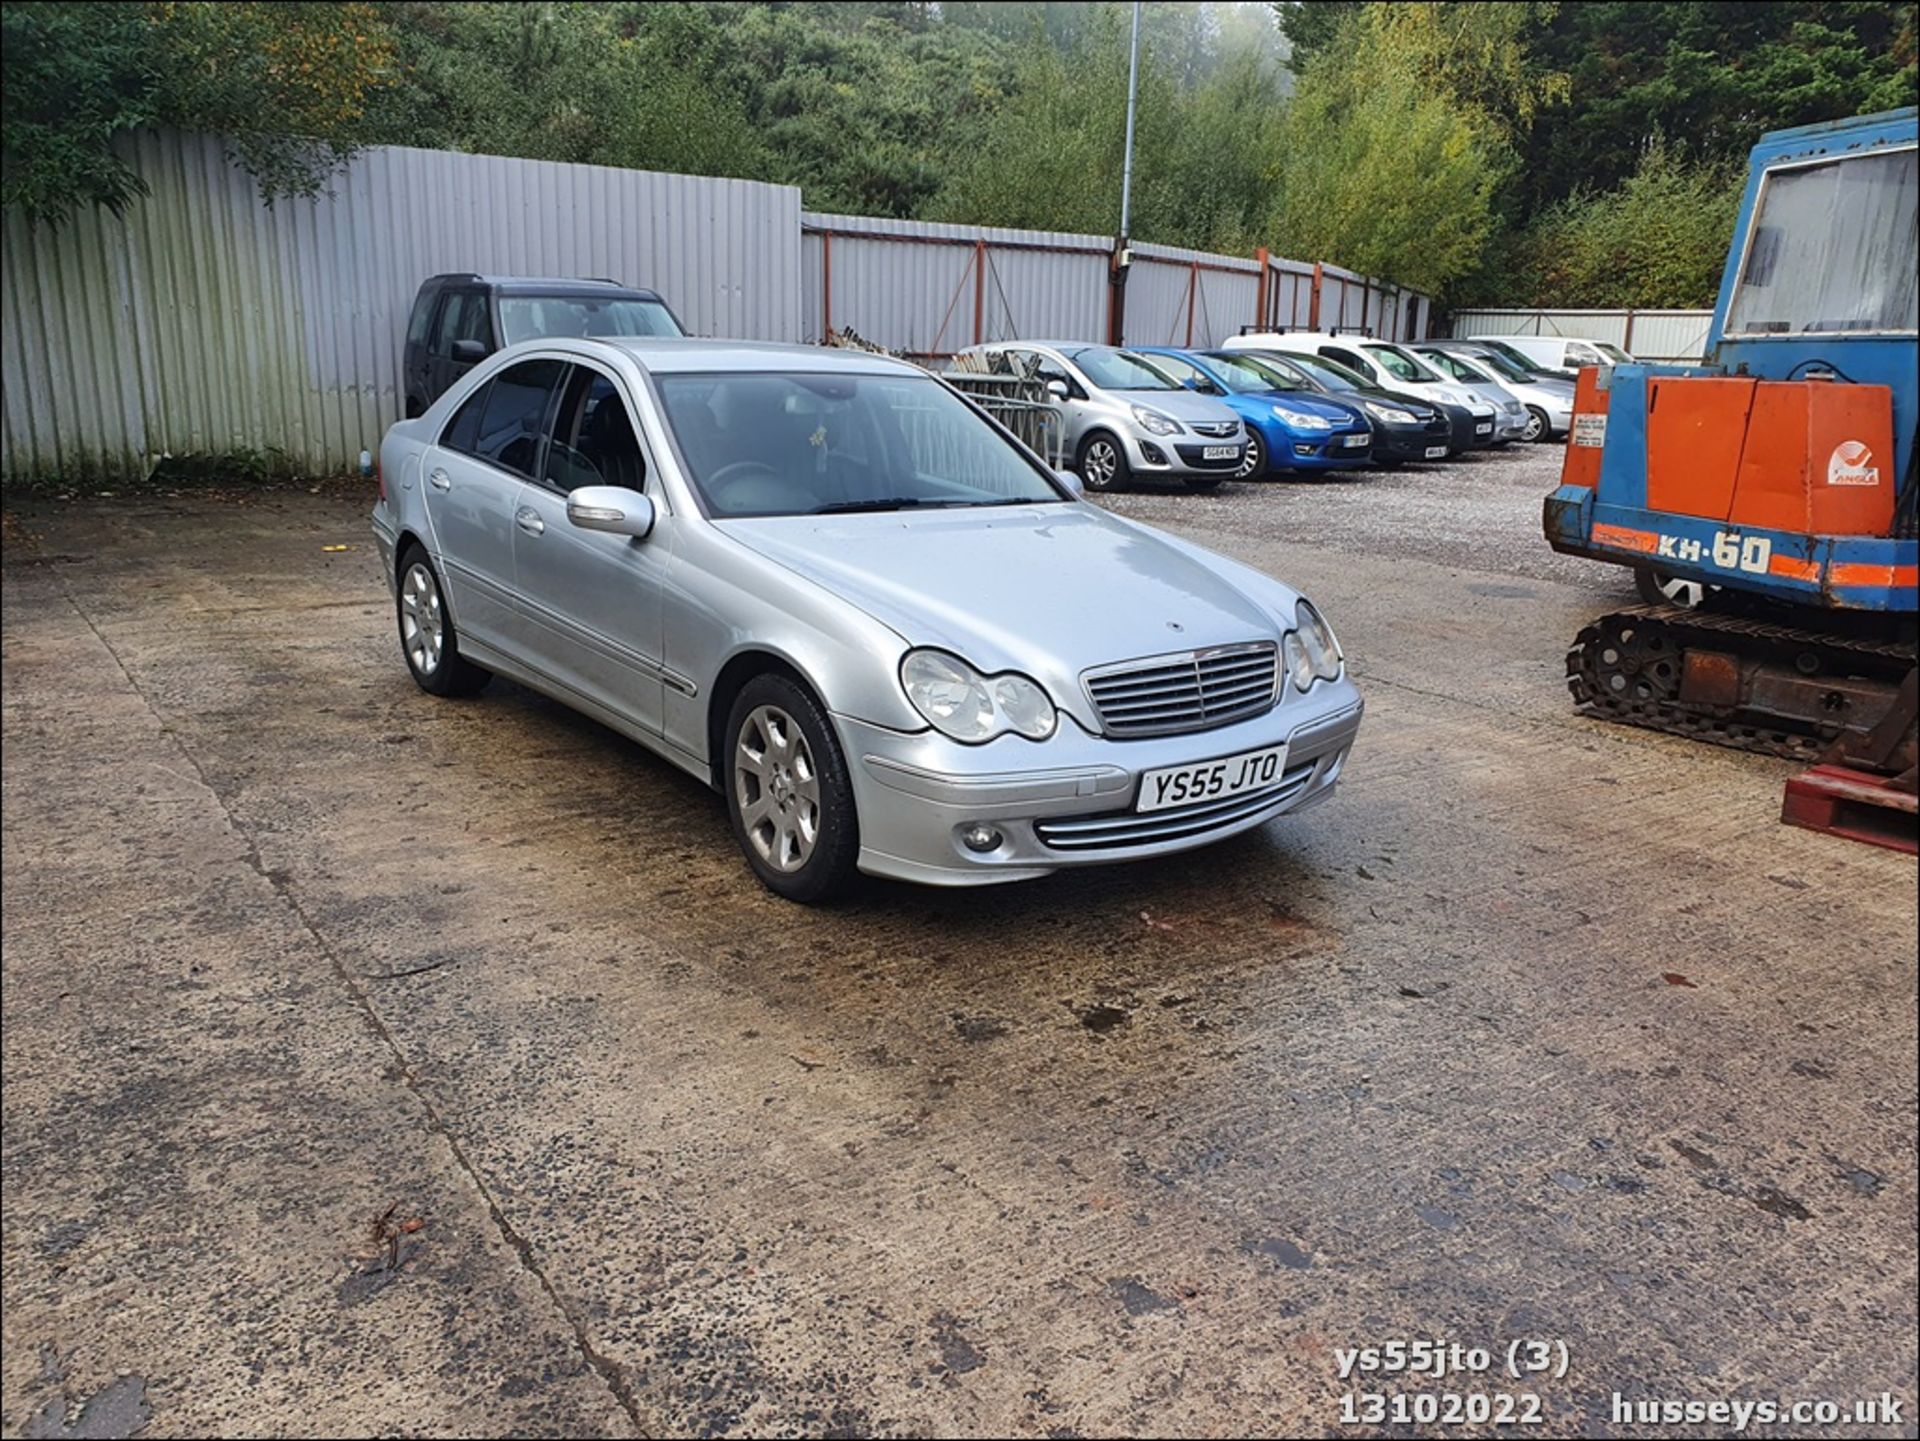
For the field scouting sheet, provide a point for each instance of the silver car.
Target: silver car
(827, 585)
(1548, 398)
(1124, 417)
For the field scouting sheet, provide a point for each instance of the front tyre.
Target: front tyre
(1253, 466)
(788, 795)
(1537, 426)
(1103, 463)
(427, 636)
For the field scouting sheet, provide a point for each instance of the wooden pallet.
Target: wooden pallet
(1853, 804)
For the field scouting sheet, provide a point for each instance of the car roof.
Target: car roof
(670, 355)
(547, 285)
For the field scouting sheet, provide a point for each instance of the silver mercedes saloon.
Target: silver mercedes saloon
(832, 588)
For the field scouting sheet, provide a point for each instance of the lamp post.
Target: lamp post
(1122, 254)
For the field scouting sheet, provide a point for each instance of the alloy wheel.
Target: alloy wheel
(1536, 425)
(423, 625)
(777, 788)
(1100, 464)
(1251, 465)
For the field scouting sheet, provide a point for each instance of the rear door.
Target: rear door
(592, 601)
(416, 352)
(491, 447)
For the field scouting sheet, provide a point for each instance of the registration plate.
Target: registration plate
(1220, 452)
(1485, 427)
(1211, 780)
(1355, 440)
(1435, 452)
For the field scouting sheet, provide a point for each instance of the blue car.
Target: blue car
(1295, 430)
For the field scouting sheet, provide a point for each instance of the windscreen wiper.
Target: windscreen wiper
(889, 502)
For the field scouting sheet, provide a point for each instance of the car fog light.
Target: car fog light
(1151, 453)
(980, 838)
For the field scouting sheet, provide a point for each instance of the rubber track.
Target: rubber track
(1733, 632)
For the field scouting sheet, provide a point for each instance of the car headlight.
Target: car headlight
(1302, 420)
(1154, 423)
(1310, 652)
(1391, 414)
(960, 702)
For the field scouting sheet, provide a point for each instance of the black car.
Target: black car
(1428, 432)
(459, 320)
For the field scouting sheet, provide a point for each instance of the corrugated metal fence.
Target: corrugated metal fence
(1664, 335)
(205, 322)
(929, 289)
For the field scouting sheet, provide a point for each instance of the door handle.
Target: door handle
(528, 519)
(440, 480)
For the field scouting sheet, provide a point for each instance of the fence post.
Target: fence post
(1193, 283)
(1627, 344)
(826, 285)
(1260, 319)
(979, 290)
(1313, 306)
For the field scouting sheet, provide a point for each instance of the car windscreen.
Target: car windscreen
(1118, 370)
(1401, 366)
(1612, 352)
(547, 317)
(1246, 375)
(770, 443)
(1331, 372)
(1458, 366)
(1503, 368)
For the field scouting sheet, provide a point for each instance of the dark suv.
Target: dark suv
(460, 319)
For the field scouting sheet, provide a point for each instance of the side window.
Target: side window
(1347, 358)
(465, 424)
(513, 420)
(593, 439)
(422, 316)
(463, 316)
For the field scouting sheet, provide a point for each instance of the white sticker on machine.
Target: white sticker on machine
(1852, 464)
(1590, 429)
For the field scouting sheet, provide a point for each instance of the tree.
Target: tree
(1379, 168)
(1657, 240)
(291, 86)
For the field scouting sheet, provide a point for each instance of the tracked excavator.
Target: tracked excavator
(1766, 499)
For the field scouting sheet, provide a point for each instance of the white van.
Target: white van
(1390, 367)
(1561, 353)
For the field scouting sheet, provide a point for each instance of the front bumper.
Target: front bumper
(1410, 442)
(1068, 801)
(1182, 454)
(1318, 449)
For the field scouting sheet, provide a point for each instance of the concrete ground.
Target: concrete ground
(379, 1064)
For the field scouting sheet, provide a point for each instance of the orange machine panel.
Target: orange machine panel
(1819, 459)
(1696, 429)
(1589, 433)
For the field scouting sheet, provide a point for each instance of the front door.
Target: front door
(592, 601)
(473, 480)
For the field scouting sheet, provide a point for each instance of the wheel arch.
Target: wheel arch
(727, 685)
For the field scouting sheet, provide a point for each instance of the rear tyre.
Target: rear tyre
(1102, 463)
(788, 796)
(428, 639)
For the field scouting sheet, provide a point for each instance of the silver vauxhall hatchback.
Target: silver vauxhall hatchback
(827, 585)
(1124, 418)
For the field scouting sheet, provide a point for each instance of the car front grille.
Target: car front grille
(1215, 428)
(1189, 691)
(1116, 829)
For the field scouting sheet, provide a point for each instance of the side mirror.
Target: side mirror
(612, 508)
(1072, 481)
(467, 352)
(1057, 389)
